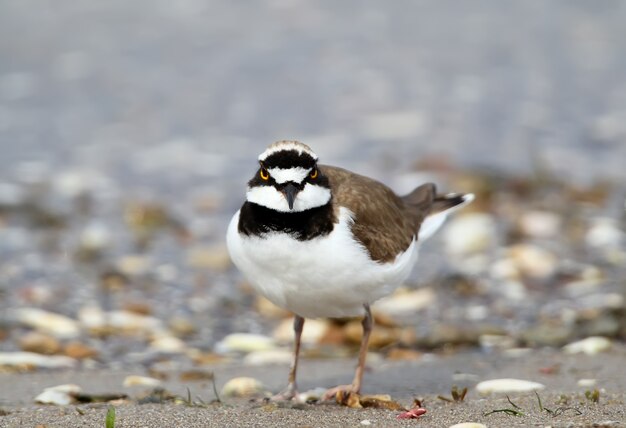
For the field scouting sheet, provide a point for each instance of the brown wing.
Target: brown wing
(384, 222)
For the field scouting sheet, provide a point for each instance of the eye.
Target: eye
(313, 173)
(265, 175)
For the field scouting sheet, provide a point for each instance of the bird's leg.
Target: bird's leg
(291, 390)
(367, 330)
(367, 324)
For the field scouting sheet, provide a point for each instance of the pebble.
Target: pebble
(95, 237)
(169, 344)
(587, 382)
(404, 302)
(313, 332)
(79, 350)
(469, 233)
(134, 265)
(95, 319)
(40, 343)
(60, 395)
(590, 346)
(31, 359)
(604, 233)
(242, 387)
(495, 341)
(533, 261)
(271, 356)
(136, 380)
(495, 386)
(245, 343)
(468, 425)
(366, 422)
(48, 322)
(214, 257)
(540, 224)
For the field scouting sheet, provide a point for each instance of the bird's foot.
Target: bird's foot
(339, 392)
(287, 394)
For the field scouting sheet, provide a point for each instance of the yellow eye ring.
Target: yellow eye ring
(313, 174)
(264, 174)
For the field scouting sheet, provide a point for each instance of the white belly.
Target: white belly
(330, 276)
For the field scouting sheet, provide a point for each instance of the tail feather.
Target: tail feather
(441, 207)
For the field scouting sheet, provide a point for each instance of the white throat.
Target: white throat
(312, 196)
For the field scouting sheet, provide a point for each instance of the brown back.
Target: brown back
(384, 222)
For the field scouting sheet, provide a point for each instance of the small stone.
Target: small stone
(245, 342)
(212, 257)
(39, 343)
(271, 356)
(468, 425)
(181, 327)
(403, 302)
(124, 322)
(79, 350)
(540, 224)
(242, 387)
(604, 233)
(96, 237)
(366, 422)
(533, 261)
(469, 233)
(495, 341)
(495, 386)
(134, 265)
(504, 269)
(590, 346)
(169, 344)
(48, 322)
(313, 332)
(60, 395)
(135, 380)
(586, 383)
(31, 359)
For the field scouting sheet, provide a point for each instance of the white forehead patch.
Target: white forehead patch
(285, 146)
(297, 174)
(312, 196)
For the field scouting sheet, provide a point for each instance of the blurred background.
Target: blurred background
(128, 131)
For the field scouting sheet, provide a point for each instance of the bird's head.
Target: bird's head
(288, 179)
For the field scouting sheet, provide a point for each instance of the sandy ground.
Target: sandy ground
(427, 378)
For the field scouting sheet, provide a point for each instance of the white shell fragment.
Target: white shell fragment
(242, 387)
(48, 322)
(36, 360)
(590, 346)
(245, 342)
(135, 380)
(61, 395)
(496, 386)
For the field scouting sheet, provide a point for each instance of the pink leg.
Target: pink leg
(358, 375)
(291, 390)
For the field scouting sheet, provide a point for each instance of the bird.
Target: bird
(324, 242)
